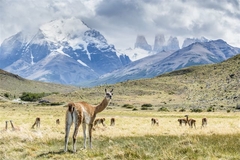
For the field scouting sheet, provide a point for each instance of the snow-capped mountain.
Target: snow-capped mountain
(189, 41)
(135, 70)
(63, 51)
(195, 54)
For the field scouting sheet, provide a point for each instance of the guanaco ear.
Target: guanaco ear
(111, 90)
(105, 90)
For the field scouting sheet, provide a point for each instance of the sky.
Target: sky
(120, 21)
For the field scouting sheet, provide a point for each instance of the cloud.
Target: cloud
(120, 21)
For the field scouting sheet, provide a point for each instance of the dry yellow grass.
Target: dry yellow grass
(128, 123)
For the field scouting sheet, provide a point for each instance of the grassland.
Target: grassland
(212, 89)
(132, 137)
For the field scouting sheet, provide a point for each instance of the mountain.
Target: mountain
(141, 42)
(198, 53)
(63, 51)
(189, 41)
(142, 49)
(135, 70)
(172, 44)
(159, 43)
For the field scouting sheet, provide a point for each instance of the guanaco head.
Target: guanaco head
(109, 94)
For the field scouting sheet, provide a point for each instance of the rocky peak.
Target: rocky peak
(189, 41)
(172, 44)
(141, 42)
(159, 42)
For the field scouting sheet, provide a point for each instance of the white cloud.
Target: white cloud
(120, 21)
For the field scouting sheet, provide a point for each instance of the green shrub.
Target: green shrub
(171, 93)
(196, 110)
(134, 109)
(238, 106)
(32, 97)
(210, 109)
(163, 109)
(146, 108)
(7, 95)
(56, 103)
(128, 106)
(147, 105)
(182, 110)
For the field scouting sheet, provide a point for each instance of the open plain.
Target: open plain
(132, 137)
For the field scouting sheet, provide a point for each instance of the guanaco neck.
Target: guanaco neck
(102, 105)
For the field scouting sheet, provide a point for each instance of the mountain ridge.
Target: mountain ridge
(87, 47)
(198, 53)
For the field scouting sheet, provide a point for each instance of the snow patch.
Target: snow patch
(82, 63)
(135, 54)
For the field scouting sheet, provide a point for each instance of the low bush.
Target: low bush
(7, 95)
(146, 108)
(163, 109)
(196, 110)
(210, 109)
(238, 106)
(134, 109)
(182, 110)
(32, 97)
(147, 105)
(128, 106)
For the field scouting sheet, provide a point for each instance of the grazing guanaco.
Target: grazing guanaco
(83, 113)
(191, 122)
(204, 122)
(154, 121)
(112, 122)
(14, 128)
(182, 121)
(36, 123)
(57, 121)
(99, 121)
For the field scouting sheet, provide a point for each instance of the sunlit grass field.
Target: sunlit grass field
(132, 137)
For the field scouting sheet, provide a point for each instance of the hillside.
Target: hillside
(209, 86)
(214, 85)
(15, 85)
